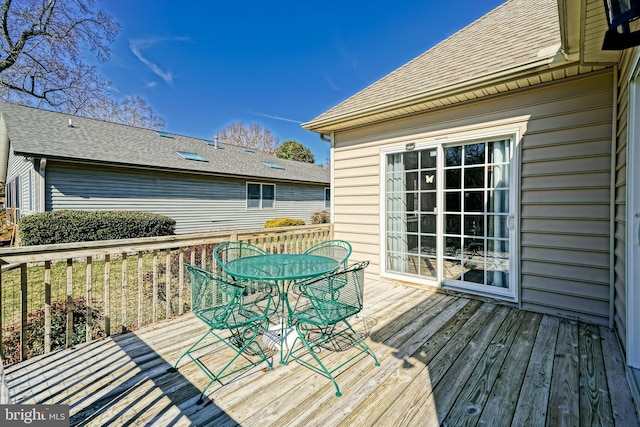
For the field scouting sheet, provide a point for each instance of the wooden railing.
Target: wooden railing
(56, 296)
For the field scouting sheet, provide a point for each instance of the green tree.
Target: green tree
(293, 150)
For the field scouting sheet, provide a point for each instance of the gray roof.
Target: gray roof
(42, 133)
(518, 33)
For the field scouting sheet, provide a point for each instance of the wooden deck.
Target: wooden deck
(445, 360)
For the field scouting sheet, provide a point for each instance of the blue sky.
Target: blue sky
(202, 65)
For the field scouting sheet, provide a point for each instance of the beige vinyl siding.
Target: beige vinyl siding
(619, 244)
(565, 159)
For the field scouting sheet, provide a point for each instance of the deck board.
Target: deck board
(445, 360)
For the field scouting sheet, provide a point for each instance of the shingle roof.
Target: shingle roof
(517, 33)
(43, 133)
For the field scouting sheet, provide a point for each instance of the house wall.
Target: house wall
(565, 159)
(620, 257)
(197, 203)
(18, 166)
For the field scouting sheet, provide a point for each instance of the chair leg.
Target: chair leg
(248, 342)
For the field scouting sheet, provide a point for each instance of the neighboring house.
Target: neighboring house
(56, 161)
(502, 162)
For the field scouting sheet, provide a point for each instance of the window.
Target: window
(261, 196)
(272, 165)
(13, 193)
(191, 156)
(327, 198)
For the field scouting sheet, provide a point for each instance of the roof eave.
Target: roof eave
(555, 60)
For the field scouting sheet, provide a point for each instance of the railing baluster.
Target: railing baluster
(107, 294)
(167, 292)
(123, 315)
(154, 308)
(181, 281)
(140, 287)
(69, 342)
(23, 310)
(47, 307)
(89, 318)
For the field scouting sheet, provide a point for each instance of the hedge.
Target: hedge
(283, 222)
(67, 226)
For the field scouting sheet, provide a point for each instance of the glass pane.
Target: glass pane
(452, 202)
(428, 224)
(452, 179)
(474, 201)
(452, 224)
(411, 181)
(427, 202)
(498, 176)
(412, 202)
(497, 225)
(474, 177)
(428, 267)
(253, 196)
(474, 225)
(268, 191)
(498, 250)
(453, 246)
(453, 156)
(428, 245)
(395, 181)
(498, 278)
(473, 272)
(397, 262)
(410, 160)
(413, 266)
(499, 151)
(474, 154)
(412, 223)
(428, 158)
(474, 248)
(412, 243)
(498, 201)
(395, 202)
(452, 269)
(428, 180)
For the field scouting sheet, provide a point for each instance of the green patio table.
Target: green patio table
(283, 269)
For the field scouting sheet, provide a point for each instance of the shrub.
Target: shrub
(67, 226)
(320, 217)
(283, 222)
(35, 329)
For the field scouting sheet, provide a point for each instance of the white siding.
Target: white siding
(564, 184)
(197, 203)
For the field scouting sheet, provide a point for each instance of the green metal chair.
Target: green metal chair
(228, 251)
(319, 311)
(235, 319)
(339, 250)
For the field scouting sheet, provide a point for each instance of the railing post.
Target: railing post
(47, 307)
(23, 310)
(1, 324)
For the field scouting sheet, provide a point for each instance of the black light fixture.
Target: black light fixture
(619, 15)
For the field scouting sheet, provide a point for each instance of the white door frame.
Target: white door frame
(632, 278)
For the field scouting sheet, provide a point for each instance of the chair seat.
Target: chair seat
(326, 313)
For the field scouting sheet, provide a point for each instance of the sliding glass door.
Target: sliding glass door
(449, 215)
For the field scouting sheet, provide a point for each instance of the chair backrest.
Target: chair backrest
(229, 251)
(331, 298)
(222, 303)
(334, 249)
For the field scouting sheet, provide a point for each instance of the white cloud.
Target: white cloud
(138, 45)
(269, 116)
